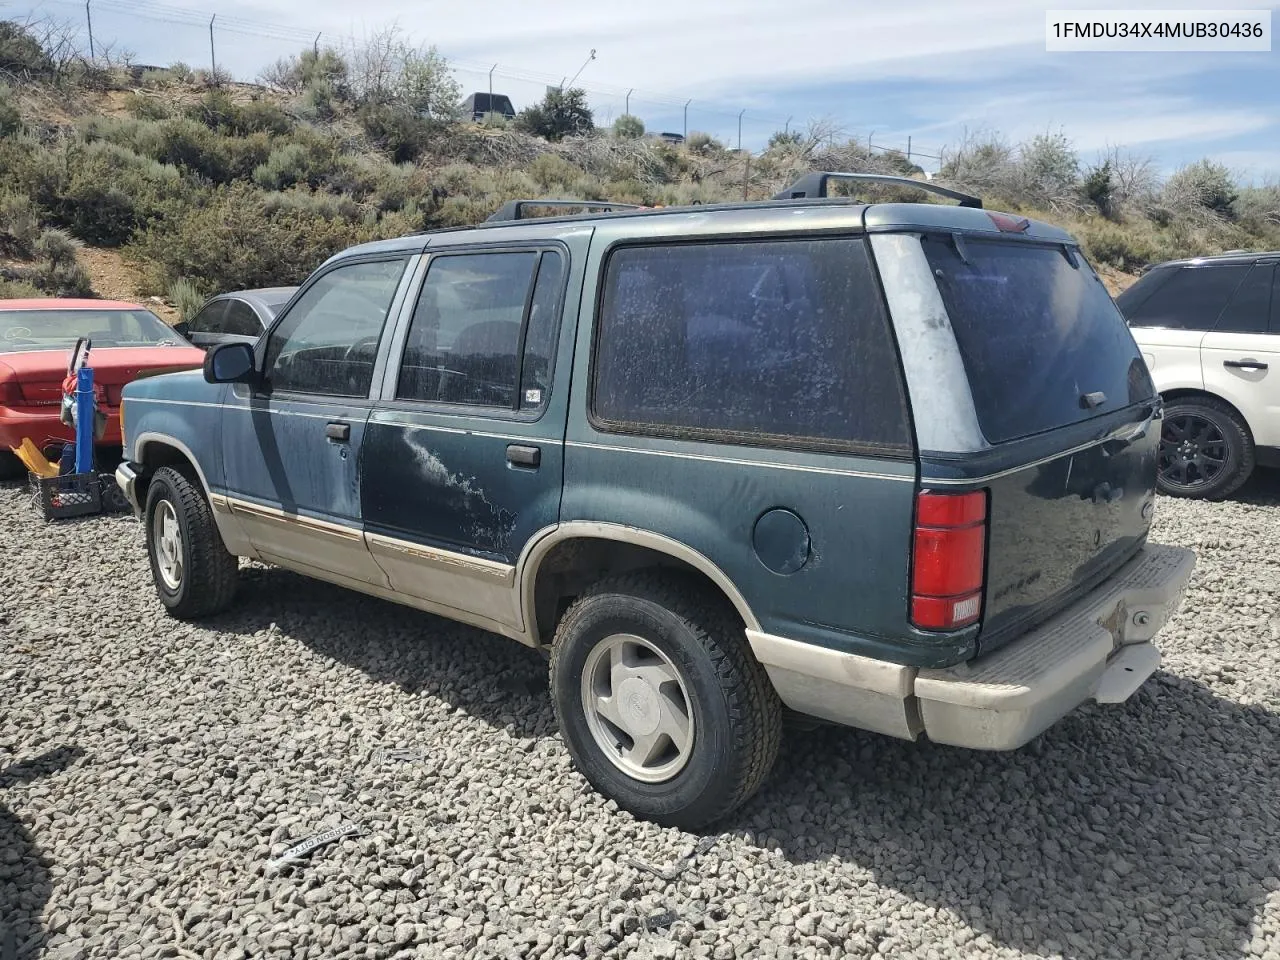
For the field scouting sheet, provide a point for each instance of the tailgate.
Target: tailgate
(1059, 528)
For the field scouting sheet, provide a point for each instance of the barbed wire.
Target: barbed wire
(215, 23)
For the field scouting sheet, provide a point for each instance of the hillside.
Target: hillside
(175, 184)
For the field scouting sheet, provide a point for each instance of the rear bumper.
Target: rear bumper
(43, 424)
(1098, 649)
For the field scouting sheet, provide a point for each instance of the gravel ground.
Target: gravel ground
(150, 771)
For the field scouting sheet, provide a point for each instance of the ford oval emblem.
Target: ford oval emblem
(1148, 510)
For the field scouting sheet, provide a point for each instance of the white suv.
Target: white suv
(1209, 330)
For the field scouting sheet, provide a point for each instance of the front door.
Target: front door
(464, 455)
(292, 447)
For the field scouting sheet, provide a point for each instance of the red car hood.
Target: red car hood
(40, 372)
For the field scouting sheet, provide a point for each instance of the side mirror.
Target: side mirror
(182, 329)
(229, 363)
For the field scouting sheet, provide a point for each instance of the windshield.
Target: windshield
(22, 330)
(1041, 340)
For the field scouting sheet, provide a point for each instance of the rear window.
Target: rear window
(752, 342)
(54, 329)
(1040, 338)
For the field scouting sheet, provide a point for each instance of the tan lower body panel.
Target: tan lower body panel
(1098, 649)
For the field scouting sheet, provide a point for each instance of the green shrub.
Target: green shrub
(703, 144)
(57, 247)
(560, 114)
(186, 297)
(218, 111)
(628, 127)
(19, 225)
(552, 172)
(64, 280)
(401, 134)
(109, 192)
(21, 54)
(1200, 186)
(18, 289)
(243, 238)
(144, 107)
(1128, 249)
(10, 115)
(286, 166)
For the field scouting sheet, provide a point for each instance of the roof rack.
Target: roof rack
(815, 185)
(515, 209)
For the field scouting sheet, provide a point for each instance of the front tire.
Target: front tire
(660, 702)
(194, 574)
(1206, 451)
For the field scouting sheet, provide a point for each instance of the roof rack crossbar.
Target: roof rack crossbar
(813, 185)
(515, 209)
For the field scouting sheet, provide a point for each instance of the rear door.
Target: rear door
(464, 455)
(1057, 422)
(1241, 356)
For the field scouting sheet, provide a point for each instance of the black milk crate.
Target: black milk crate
(70, 495)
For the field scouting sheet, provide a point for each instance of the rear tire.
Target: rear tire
(11, 468)
(194, 574)
(683, 679)
(1206, 451)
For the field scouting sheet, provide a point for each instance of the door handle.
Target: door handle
(340, 432)
(1245, 364)
(519, 455)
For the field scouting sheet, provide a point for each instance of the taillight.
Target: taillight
(947, 561)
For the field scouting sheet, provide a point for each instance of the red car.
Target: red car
(36, 337)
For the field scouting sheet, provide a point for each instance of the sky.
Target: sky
(934, 71)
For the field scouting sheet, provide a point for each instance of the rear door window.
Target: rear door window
(241, 320)
(1249, 309)
(754, 342)
(212, 319)
(1192, 299)
(1040, 338)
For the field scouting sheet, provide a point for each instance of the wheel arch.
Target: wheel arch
(155, 450)
(567, 558)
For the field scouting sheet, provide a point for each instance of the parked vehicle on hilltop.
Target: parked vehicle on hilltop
(235, 317)
(36, 338)
(888, 465)
(1209, 329)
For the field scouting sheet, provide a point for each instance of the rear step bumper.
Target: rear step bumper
(1098, 649)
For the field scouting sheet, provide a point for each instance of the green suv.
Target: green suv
(891, 466)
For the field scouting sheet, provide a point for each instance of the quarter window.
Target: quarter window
(749, 342)
(327, 342)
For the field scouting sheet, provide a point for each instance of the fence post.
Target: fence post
(315, 44)
(686, 118)
(908, 149)
(626, 108)
(740, 129)
(89, 18)
(746, 174)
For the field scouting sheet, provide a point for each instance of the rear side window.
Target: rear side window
(1039, 337)
(1249, 308)
(754, 342)
(212, 319)
(1191, 299)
